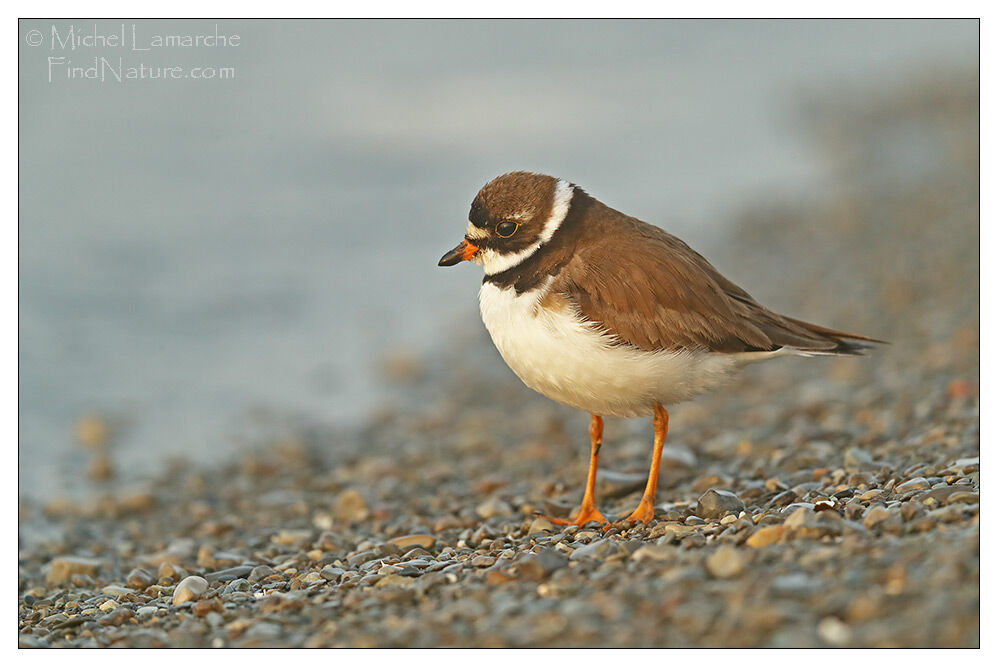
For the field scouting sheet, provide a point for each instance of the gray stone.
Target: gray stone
(228, 574)
(716, 503)
(541, 564)
(236, 585)
(260, 572)
(599, 549)
(855, 457)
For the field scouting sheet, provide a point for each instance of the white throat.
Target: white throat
(494, 262)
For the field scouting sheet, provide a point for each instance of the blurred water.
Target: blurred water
(191, 250)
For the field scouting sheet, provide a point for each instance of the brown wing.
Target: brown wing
(652, 291)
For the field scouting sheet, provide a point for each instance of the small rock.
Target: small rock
(833, 631)
(328, 541)
(653, 553)
(394, 580)
(236, 585)
(169, 570)
(855, 457)
(493, 508)
(962, 497)
(483, 561)
(796, 584)
(118, 592)
(116, 617)
(725, 562)
(806, 523)
(540, 524)
(331, 573)
(62, 569)
(538, 566)
(300, 538)
(139, 579)
(229, 574)
(350, 506)
(426, 541)
(875, 515)
(260, 572)
(599, 549)
(312, 578)
(190, 589)
(281, 603)
(208, 605)
(766, 536)
(715, 504)
(912, 485)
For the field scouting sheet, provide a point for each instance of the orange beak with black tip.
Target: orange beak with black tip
(463, 251)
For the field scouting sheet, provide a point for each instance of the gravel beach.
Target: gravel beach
(810, 503)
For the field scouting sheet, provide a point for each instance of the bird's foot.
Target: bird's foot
(644, 513)
(584, 515)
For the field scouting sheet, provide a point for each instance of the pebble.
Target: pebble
(237, 585)
(715, 504)
(62, 569)
(766, 536)
(725, 562)
(483, 561)
(855, 457)
(540, 524)
(229, 574)
(493, 508)
(190, 589)
(806, 523)
(833, 631)
(116, 617)
(260, 572)
(963, 497)
(425, 541)
(875, 515)
(540, 565)
(118, 592)
(653, 553)
(912, 485)
(139, 579)
(350, 506)
(394, 581)
(207, 605)
(598, 549)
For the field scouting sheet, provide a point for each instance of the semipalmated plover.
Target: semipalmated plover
(608, 314)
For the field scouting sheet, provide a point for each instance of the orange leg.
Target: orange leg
(588, 508)
(645, 510)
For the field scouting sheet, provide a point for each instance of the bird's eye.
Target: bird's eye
(506, 229)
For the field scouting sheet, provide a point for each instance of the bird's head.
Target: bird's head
(510, 219)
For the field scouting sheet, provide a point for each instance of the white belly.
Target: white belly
(565, 358)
